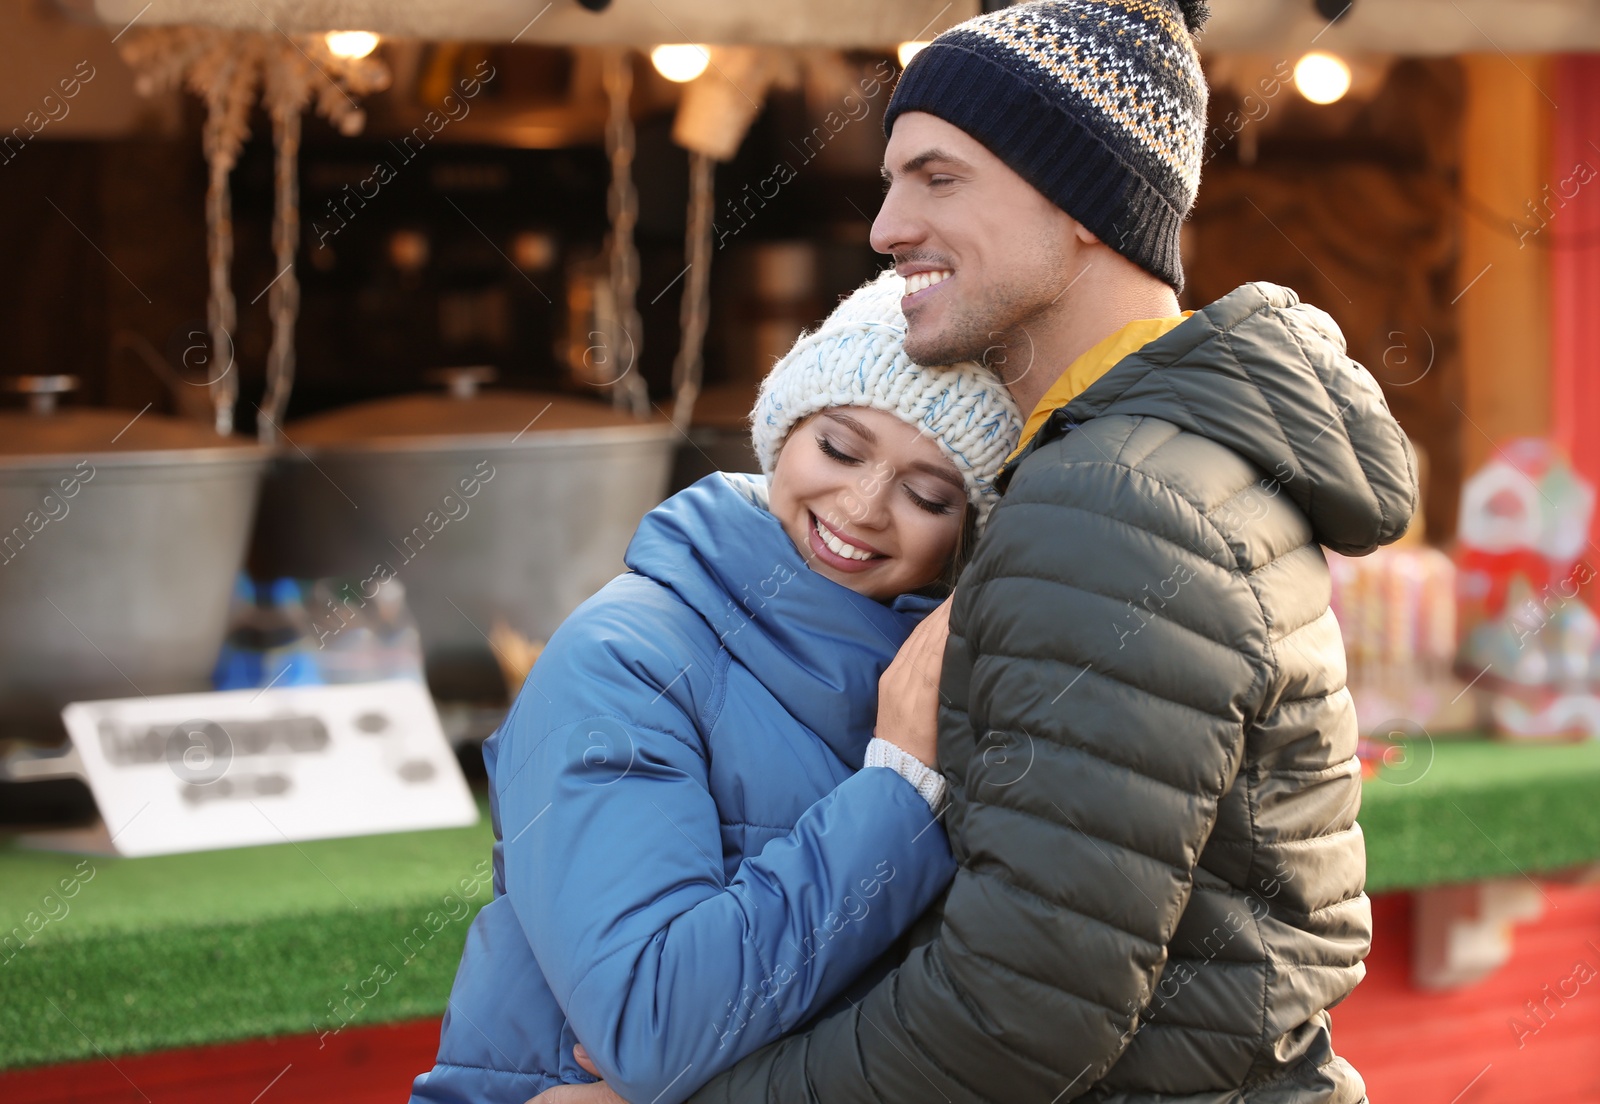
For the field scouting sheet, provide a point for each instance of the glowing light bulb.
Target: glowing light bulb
(351, 44)
(908, 50)
(1322, 78)
(680, 62)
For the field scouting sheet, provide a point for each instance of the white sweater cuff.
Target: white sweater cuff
(928, 782)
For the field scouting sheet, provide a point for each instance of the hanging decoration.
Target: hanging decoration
(622, 202)
(695, 307)
(226, 69)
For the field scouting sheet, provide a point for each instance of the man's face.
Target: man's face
(984, 253)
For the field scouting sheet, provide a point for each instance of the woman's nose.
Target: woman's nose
(866, 504)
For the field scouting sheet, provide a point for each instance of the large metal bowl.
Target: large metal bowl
(118, 549)
(508, 506)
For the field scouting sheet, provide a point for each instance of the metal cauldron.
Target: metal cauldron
(120, 537)
(489, 506)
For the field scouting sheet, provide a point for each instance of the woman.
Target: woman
(688, 862)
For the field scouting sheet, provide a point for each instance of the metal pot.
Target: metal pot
(489, 506)
(119, 540)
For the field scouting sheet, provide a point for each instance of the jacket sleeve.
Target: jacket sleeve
(1104, 658)
(669, 969)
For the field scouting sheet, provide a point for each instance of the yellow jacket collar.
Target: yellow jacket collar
(1093, 364)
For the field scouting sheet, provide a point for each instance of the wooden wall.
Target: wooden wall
(1355, 206)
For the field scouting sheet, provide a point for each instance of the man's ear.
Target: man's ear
(1082, 233)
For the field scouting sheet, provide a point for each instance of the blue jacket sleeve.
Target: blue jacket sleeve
(668, 969)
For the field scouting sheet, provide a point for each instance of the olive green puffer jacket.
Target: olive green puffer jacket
(1149, 747)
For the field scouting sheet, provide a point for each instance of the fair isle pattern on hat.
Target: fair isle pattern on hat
(1099, 104)
(1120, 85)
(857, 358)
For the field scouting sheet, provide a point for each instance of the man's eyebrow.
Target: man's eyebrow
(923, 159)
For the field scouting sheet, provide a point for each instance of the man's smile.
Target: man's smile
(920, 283)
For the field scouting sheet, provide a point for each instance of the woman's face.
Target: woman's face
(868, 500)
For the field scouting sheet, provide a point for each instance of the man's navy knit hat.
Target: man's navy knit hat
(1099, 104)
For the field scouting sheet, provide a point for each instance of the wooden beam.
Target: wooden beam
(644, 23)
(1503, 297)
(1416, 28)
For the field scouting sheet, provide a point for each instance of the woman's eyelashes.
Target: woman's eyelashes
(830, 450)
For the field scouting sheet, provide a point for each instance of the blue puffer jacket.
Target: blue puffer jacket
(687, 863)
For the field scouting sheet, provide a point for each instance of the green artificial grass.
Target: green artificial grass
(181, 950)
(1466, 810)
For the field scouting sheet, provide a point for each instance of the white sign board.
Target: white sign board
(198, 772)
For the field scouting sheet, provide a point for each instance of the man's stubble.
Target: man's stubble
(996, 329)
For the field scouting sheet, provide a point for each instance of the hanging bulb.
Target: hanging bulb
(680, 63)
(1321, 77)
(350, 45)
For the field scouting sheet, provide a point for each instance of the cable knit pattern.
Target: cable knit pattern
(928, 782)
(857, 358)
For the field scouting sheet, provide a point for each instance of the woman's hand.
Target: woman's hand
(596, 1093)
(908, 692)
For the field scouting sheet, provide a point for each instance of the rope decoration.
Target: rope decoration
(225, 68)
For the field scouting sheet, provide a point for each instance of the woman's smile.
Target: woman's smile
(839, 551)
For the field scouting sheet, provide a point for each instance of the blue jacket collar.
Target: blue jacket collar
(817, 646)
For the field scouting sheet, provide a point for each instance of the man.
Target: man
(1142, 719)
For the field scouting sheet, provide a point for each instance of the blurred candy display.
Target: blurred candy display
(1530, 637)
(1397, 613)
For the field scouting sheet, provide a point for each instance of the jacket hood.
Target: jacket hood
(1268, 377)
(817, 646)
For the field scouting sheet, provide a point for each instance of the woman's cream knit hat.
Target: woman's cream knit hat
(857, 358)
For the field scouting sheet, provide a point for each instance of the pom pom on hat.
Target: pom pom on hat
(1195, 14)
(857, 358)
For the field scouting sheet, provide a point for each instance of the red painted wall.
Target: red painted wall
(360, 1065)
(1418, 1047)
(1573, 240)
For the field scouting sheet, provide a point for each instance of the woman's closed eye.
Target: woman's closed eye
(938, 506)
(831, 451)
(933, 506)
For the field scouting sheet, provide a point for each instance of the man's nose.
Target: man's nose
(894, 230)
